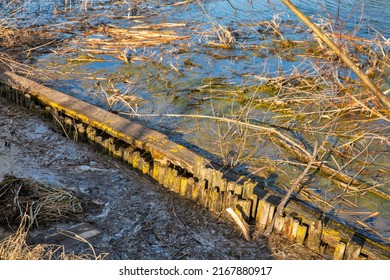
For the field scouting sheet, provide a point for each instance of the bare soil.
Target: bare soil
(126, 214)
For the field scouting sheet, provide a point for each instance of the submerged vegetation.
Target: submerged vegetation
(265, 97)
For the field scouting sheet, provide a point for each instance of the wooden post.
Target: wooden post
(231, 186)
(352, 251)
(190, 187)
(223, 186)
(294, 230)
(183, 186)
(177, 184)
(91, 133)
(171, 179)
(166, 177)
(301, 234)
(140, 162)
(195, 190)
(199, 166)
(135, 157)
(238, 189)
(246, 208)
(156, 170)
(161, 174)
(314, 235)
(287, 227)
(248, 188)
(145, 167)
(217, 179)
(81, 131)
(339, 251)
(118, 152)
(278, 225)
(205, 197)
(271, 213)
(127, 153)
(262, 214)
(216, 201)
(253, 198)
(233, 200)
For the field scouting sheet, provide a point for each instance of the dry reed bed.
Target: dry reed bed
(15, 247)
(43, 204)
(113, 40)
(26, 203)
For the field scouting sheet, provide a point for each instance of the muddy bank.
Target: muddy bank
(126, 215)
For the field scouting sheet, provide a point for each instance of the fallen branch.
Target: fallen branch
(339, 52)
(286, 198)
(290, 144)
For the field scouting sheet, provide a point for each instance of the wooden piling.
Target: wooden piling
(294, 230)
(172, 179)
(216, 201)
(127, 153)
(352, 250)
(301, 234)
(223, 186)
(195, 190)
(246, 208)
(155, 170)
(339, 251)
(271, 213)
(135, 158)
(177, 184)
(166, 177)
(278, 225)
(238, 189)
(161, 174)
(287, 227)
(248, 188)
(262, 214)
(190, 187)
(314, 235)
(91, 133)
(253, 199)
(232, 200)
(145, 167)
(183, 186)
(81, 134)
(231, 186)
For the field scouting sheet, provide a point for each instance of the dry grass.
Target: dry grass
(30, 203)
(15, 247)
(113, 40)
(43, 204)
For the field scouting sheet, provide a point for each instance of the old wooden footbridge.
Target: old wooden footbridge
(192, 175)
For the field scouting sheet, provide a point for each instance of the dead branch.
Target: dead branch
(286, 198)
(338, 51)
